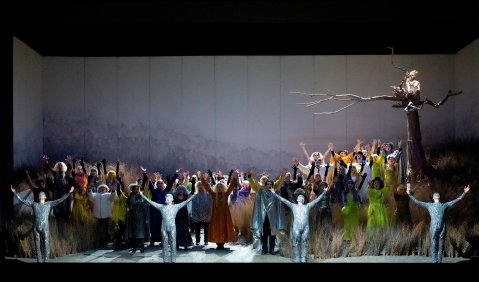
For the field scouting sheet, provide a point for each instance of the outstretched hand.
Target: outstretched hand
(466, 189)
(330, 146)
(13, 189)
(408, 188)
(142, 168)
(72, 189)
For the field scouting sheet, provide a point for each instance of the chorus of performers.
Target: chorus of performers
(153, 208)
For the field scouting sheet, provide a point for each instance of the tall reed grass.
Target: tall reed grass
(456, 166)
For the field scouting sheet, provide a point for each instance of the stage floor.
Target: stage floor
(233, 253)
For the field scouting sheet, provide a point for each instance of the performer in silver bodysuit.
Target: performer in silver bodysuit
(168, 225)
(299, 234)
(41, 211)
(437, 230)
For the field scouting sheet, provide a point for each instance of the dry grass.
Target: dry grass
(455, 164)
(456, 243)
(358, 241)
(241, 215)
(64, 238)
(396, 241)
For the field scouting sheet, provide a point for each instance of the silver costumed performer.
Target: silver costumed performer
(299, 233)
(41, 211)
(437, 230)
(168, 225)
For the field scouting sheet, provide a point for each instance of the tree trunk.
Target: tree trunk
(417, 166)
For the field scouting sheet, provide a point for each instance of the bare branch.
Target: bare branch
(392, 60)
(309, 94)
(352, 97)
(328, 113)
(309, 104)
(438, 104)
(345, 97)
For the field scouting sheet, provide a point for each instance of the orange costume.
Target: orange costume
(221, 229)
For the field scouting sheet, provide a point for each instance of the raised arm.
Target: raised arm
(311, 171)
(82, 163)
(171, 181)
(182, 204)
(193, 184)
(229, 177)
(373, 147)
(63, 198)
(104, 166)
(286, 202)
(47, 166)
(252, 183)
(213, 180)
(206, 185)
(303, 148)
(330, 148)
(233, 183)
(326, 168)
(277, 181)
(315, 201)
(25, 202)
(144, 178)
(155, 205)
(451, 203)
(419, 203)
(98, 168)
(363, 178)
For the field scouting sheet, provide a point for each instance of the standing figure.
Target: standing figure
(221, 228)
(103, 202)
(268, 217)
(119, 206)
(58, 184)
(156, 191)
(350, 209)
(41, 211)
(377, 214)
(412, 89)
(137, 220)
(402, 212)
(80, 211)
(437, 230)
(299, 233)
(324, 215)
(168, 225)
(201, 211)
(183, 236)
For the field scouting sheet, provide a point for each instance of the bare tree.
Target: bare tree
(407, 96)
